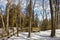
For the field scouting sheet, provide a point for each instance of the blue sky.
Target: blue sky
(38, 7)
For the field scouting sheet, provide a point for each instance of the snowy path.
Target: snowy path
(42, 35)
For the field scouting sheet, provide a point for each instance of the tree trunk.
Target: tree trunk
(43, 10)
(30, 16)
(3, 25)
(8, 8)
(52, 27)
(57, 10)
(17, 29)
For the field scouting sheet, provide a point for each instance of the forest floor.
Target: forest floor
(42, 35)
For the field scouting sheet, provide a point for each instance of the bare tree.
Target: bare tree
(43, 14)
(33, 6)
(2, 22)
(30, 17)
(56, 12)
(7, 11)
(52, 27)
(43, 8)
(19, 13)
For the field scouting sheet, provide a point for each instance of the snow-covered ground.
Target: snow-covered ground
(42, 35)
